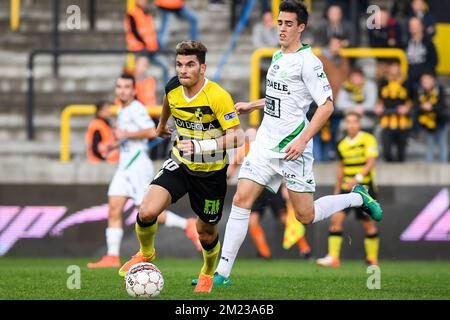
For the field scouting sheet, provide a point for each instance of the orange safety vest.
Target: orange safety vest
(170, 4)
(107, 137)
(145, 91)
(144, 25)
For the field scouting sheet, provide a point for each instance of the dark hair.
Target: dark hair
(101, 104)
(430, 73)
(296, 7)
(192, 48)
(128, 76)
(357, 70)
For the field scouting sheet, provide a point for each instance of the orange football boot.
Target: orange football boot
(137, 258)
(106, 262)
(205, 283)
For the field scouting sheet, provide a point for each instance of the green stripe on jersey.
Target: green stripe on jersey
(132, 160)
(289, 138)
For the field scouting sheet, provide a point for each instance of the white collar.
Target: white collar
(195, 96)
(355, 138)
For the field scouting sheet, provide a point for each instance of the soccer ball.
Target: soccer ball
(144, 280)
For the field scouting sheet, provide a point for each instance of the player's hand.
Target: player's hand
(185, 146)
(352, 183)
(120, 134)
(243, 107)
(163, 131)
(294, 150)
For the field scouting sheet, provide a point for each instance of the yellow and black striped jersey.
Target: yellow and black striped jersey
(207, 115)
(354, 154)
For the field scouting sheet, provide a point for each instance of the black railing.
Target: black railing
(30, 74)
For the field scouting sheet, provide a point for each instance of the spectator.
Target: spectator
(265, 35)
(145, 84)
(99, 136)
(337, 69)
(390, 33)
(394, 110)
(178, 8)
(333, 25)
(359, 95)
(432, 116)
(421, 52)
(141, 36)
(420, 10)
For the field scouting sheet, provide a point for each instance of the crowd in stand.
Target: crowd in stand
(399, 109)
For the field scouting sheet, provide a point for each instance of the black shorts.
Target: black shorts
(359, 213)
(269, 199)
(206, 193)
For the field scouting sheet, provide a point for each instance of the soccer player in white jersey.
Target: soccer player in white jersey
(283, 146)
(134, 173)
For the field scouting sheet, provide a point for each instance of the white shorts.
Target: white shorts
(133, 181)
(262, 167)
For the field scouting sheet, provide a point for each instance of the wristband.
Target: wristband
(202, 146)
(359, 177)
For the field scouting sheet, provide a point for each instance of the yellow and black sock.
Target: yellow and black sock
(146, 236)
(372, 244)
(210, 255)
(334, 244)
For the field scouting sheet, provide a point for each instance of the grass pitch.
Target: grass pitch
(22, 278)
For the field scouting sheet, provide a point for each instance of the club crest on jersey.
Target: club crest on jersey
(199, 114)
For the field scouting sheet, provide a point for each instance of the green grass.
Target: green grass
(22, 278)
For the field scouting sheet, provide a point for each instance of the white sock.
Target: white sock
(235, 233)
(174, 220)
(328, 205)
(113, 240)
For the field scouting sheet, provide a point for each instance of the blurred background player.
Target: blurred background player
(277, 202)
(358, 152)
(135, 170)
(100, 136)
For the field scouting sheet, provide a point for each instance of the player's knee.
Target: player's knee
(242, 201)
(304, 217)
(147, 214)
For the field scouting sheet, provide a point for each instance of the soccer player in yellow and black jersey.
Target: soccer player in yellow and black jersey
(207, 125)
(358, 152)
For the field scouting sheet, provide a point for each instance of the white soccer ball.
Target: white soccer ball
(144, 280)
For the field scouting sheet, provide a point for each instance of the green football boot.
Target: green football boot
(219, 280)
(370, 205)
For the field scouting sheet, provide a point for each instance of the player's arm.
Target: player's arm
(247, 107)
(233, 138)
(163, 130)
(149, 133)
(370, 164)
(320, 117)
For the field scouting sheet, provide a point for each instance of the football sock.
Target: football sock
(210, 255)
(174, 220)
(326, 206)
(371, 244)
(334, 244)
(235, 233)
(146, 236)
(303, 245)
(258, 236)
(113, 240)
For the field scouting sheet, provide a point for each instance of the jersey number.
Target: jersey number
(170, 165)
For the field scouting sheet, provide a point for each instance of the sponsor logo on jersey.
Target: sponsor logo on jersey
(277, 86)
(197, 126)
(322, 75)
(326, 87)
(317, 67)
(211, 207)
(230, 116)
(276, 67)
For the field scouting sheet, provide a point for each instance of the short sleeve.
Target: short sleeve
(316, 80)
(224, 110)
(142, 118)
(371, 147)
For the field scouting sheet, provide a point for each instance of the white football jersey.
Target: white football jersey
(294, 81)
(133, 118)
